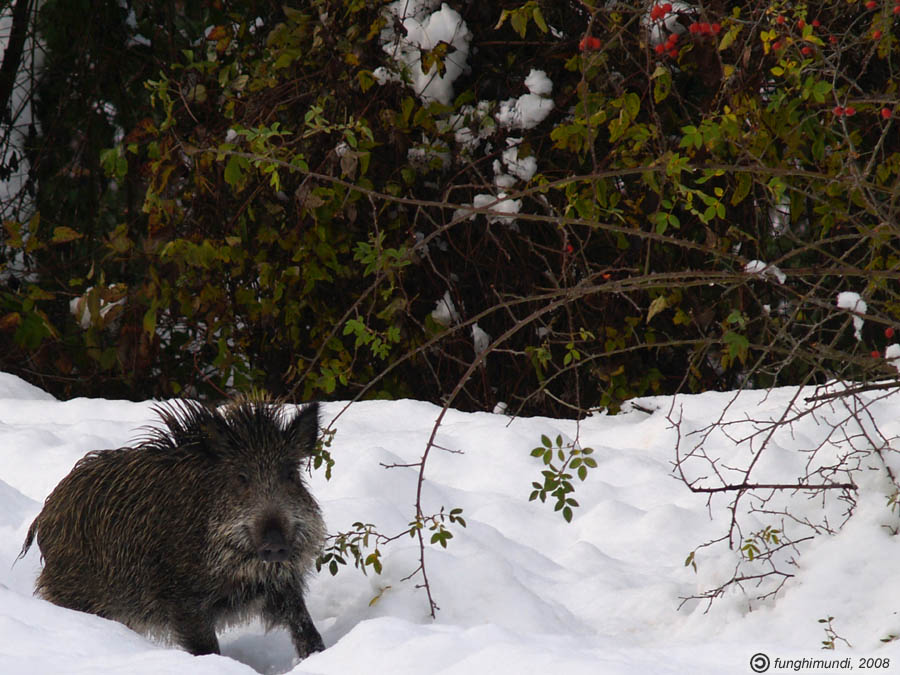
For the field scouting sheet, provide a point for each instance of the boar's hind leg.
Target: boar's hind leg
(197, 635)
(293, 614)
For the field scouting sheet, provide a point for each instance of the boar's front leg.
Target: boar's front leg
(196, 634)
(292, 612)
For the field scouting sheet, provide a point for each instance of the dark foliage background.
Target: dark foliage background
(224, 197)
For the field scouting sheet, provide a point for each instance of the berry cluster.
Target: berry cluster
(589, 43)
(668, 47)
(850, 111)
(705, 29)
(658, 12)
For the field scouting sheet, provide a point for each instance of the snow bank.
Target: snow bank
(519, 590)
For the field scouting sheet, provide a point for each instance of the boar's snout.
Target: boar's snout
(273, 547)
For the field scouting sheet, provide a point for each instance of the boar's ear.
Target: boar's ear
(303, 430)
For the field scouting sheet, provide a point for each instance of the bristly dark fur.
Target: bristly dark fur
(205, 521)
(190, 426)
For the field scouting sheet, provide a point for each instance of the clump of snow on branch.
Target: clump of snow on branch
(80, 307)
(425, 30)
(523, 168)
(892, 355)
(480, 339)
(852, 302)
(498, 202)
(444, 311)
(764, 270)
(780, 216)
(529, 109)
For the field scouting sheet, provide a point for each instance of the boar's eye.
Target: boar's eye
(242, 479)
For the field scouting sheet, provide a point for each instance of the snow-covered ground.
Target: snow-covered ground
(520, 590)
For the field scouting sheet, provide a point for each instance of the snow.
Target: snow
(892, 354)
(538, 83)
(780, 216)
(480, 339)
(519, 589)
(425, 30)
(764, 269)
(525, 112)
(854, 303)
(530, 109)
(79, 307)
(499, 202)
(523, 168)
(444, 311)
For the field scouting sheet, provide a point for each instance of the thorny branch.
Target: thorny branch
(724, 455)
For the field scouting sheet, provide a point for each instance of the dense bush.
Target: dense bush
(237, 193)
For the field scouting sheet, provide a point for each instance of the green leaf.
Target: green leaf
(149, 322)
(729, 37)
(519, 23)
(539, 20)
(632, 103)
(742, 189)
(738, 345)
(662, 83)
(64, 234)
(234, 170)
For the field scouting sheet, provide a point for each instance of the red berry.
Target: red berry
(667, 7)
(715, 28)
(876, 354)
(779, 20)
(838, 111)
(871, 4)
(889, 332)
(801, 24)
(673, 38)
(876, 34)
(660, 48)
(833, 39)
(694, 28)
(806, 51)
(887, 114)
(589, 43)
(849, 111)
(896, 9)
(776, 45)
(816, 23)
(673, 53)
(654, 13)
